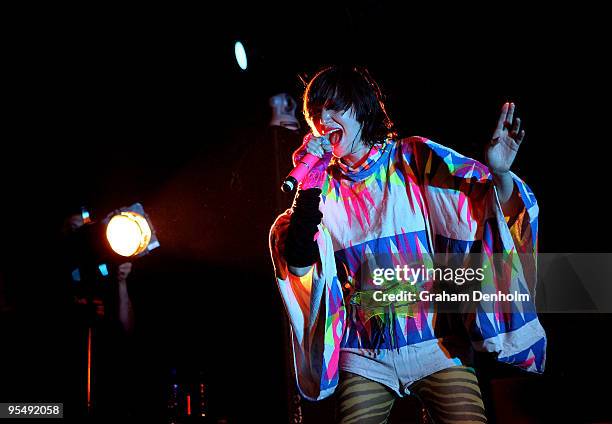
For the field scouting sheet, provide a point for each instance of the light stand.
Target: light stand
(124, 234)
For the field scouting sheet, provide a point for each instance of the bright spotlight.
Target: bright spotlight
(241, 56)
(128, 233)
(124, 233)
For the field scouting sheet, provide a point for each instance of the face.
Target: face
(345, 131)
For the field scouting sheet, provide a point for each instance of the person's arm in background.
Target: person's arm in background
(500, 155)
(126, 313)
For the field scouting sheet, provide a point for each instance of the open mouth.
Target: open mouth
(335, 136)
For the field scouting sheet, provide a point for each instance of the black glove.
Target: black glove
(300, 248)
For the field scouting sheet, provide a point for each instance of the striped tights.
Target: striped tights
(451, 396)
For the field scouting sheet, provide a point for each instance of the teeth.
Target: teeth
(334, 136)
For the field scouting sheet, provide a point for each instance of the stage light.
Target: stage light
(283, 112)
(241, 56)
(95, 250)
(93, 246)
(128, 233)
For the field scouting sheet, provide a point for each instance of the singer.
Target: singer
(373, 195)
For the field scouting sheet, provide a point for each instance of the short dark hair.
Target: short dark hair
(340, 87)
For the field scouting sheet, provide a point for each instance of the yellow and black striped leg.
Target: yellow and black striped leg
(451, 396)
(363, 401)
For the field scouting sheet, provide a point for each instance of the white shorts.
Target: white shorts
(398, 368)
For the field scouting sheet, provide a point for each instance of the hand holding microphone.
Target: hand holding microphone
(311, 161)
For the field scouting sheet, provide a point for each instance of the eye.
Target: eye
(338, 114)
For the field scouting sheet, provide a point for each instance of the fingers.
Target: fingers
(507, 121)
(515, 133)
(515, 128)
(316, 146)
(510, 116)
(315, 150)
(502, 120)
(301, 151)
(326, 144)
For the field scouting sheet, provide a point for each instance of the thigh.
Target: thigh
(451, 395)
(363, 401)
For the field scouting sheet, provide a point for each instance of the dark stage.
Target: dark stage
(111, 107)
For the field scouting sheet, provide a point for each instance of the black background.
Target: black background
(108, 107)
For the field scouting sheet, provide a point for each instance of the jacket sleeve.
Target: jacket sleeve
(315, 307)
(467, 220)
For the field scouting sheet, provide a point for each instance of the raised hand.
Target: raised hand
(502, 149)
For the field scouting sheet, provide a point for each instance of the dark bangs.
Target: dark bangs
(342, 87)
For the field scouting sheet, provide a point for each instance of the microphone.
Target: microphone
(299, 172)
(306, 164)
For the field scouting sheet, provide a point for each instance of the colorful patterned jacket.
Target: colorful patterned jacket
(411, 198)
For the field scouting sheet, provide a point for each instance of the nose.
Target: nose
(326, 117)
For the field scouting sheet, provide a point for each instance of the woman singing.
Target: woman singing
(375, 202)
